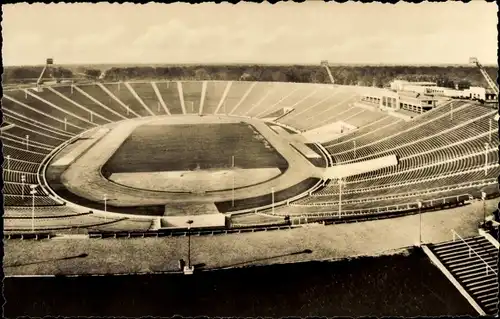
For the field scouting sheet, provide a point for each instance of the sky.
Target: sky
(284, 33)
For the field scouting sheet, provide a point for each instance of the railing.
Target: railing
(455, 234)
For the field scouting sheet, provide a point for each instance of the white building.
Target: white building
(410, 101)
(402, 85)
(480, 93)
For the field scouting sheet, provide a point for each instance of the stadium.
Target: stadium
(162, 158)
(267, 189)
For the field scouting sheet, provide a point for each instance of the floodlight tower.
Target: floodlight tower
(491, 83)
(324, 64)
(39, 82)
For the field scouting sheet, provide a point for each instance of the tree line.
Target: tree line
(379, 76)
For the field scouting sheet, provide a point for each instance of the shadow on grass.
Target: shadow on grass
(305, 251)
(47, 260)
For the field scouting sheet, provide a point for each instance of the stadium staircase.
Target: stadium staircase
(473, 263)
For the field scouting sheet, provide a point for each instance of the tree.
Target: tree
(92, 73)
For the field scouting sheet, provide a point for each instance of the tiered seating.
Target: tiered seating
(213, 96)
(100, 95)
(27, 200)
(235, 95)
(93, 108)
(192, 96)
(39, 111)
(259, 92)
(14, 164)
(345, 142)
(465, 164)
(15, 176)
(41, 212)
(269, 103)
(293, 95)
(28, 144)
(35, 138)
(16, 188)
(122, 92)
(35, 126)
(170, 95)
(473, 262)
(73, 114)
(17, 151)
(375, 207)
(365, 117)
(326, 111)
(148, 95)
(79, 221)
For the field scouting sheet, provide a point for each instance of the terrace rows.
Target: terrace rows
(389, 131)
(457, 181)
(373, 207)
(438, 132)
(434, 171)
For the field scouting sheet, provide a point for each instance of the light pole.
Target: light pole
(486, 146)
(354, 142)
(272, 199)
(232, 192)
(189, 269)
(65, 124)
(340, 197)
(451, 113)
(105, 202)
(33, 192)
(8, 162)
(483, 197)
(419, 223)
(489, 135)
(23, 180)
(27, 141)
(105, 207)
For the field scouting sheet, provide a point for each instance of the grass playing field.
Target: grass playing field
(152, 148)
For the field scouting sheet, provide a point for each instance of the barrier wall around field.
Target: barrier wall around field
(198, 221)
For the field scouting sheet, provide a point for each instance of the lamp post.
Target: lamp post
(27, 141)
(272, 199)
(486, 147)
(354, 142)
(105, 207)
(23, 180)
(419, 223)
(233, 173)
(33, 192)
(189, 269)
(8, 162)
(489, 135)
(340, 197)
(483, 197)
(65, 124)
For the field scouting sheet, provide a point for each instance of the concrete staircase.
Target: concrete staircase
(473, 262)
